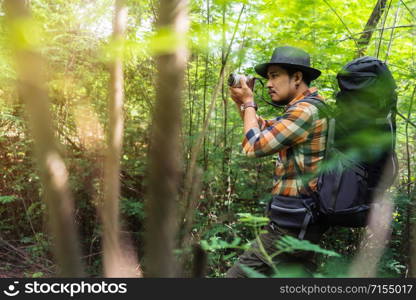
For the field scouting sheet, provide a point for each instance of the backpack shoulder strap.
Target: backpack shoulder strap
(322, 107)
(325, 110)
(313, 100)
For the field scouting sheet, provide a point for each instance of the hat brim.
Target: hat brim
(312, 73)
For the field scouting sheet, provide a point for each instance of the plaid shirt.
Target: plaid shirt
(299, 134)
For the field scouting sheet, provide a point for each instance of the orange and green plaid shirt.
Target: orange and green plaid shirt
(299, 134)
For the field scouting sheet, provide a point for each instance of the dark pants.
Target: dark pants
(294, 264)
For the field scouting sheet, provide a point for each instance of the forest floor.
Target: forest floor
(16, 261)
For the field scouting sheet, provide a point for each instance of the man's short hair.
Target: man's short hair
(292, 70)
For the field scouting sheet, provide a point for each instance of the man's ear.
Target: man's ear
(298, 76)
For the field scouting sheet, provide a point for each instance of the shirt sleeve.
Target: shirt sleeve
(290, 129)
(263, 124)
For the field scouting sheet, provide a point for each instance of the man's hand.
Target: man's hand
(241, 94)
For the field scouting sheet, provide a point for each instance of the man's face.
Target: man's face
(282, 88)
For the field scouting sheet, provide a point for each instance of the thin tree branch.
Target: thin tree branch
(342, 21)
(378, 29)
(392, 32)
(406, 119)
(382, 31)
(411, 13)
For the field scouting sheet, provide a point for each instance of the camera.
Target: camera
(234, 80)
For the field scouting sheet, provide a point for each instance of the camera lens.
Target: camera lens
(234, 80)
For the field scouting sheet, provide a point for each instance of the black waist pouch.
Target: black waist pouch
(292, 212)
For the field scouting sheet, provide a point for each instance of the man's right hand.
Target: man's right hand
(241, 94)
(235, 99)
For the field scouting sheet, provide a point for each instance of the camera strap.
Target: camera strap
(262, 97)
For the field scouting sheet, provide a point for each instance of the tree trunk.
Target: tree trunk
(377, 233)
(190, 177)
(116, 261)
(205, 152)
(199, 141)
(223, 95)
(412, 229)
(190, 102)
(53, 173)
(165, 147)
(372, 22)
(410, 225)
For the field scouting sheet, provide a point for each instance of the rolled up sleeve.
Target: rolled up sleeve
(290, 129)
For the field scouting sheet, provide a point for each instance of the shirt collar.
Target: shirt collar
(308, 92)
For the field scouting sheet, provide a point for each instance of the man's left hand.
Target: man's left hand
(242, 94)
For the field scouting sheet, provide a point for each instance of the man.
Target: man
(298, 137)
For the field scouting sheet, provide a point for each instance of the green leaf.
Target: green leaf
(251, 272)
(254, 221)
(215, 243)
(290, 244)
(7, 199)
(37, 275)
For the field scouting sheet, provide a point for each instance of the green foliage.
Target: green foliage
(251, 273)
(7, 199)
(214, 243)
(290, 244)
(37, 275)
(37, 246)
(253, 221)
(132, 208)
(75, 42)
